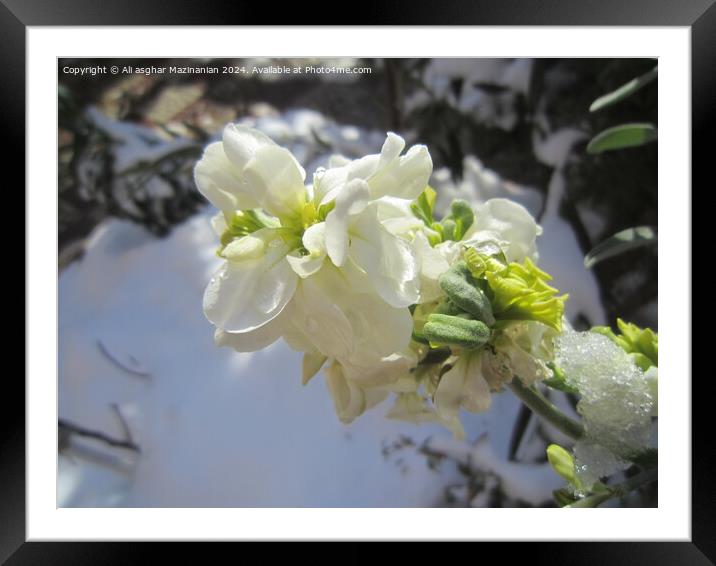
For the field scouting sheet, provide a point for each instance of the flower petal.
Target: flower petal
(379, 329)
(349, 201)
(511, 224)
(396, 215)
(403, 177)
(384, 372)
(432, 265)
(276, 178)
(218, 224)
(392, 146)
(387, 259)
(220, 181)
(241, 249)
(462, 386)
(314, 238)
(242, 142)
(348, 399)
(305, 265)
(257, 339)
(244, 295)
(321, 320)
(312, 364)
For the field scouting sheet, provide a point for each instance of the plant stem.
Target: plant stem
(620, 490)
(546, 410)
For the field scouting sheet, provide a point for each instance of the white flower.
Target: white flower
(363, 225)
(328, 267)
(462, 386)
(386, 174)
(248, 170)
(508, 223)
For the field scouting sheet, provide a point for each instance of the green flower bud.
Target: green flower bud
(443, 329)
(448, 229)
(460, 287)
(562, 463)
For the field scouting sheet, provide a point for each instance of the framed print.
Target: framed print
(370, 282)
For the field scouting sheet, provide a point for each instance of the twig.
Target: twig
(518, 431)
(620, 490)
(118, 363)
(68, 427)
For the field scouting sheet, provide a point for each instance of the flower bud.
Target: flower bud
(443, 329)
(459, 286)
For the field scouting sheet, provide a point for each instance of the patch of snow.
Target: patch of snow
(531, 483)
(479, 184)
(615, 403)
(474, 96)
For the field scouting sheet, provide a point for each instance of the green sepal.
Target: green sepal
(424, 205)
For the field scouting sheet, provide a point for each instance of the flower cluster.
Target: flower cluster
(353, 270)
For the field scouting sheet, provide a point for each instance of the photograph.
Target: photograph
(358, 282)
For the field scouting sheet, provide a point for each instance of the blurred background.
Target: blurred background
(152, 413)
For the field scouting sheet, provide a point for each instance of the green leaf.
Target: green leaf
(622, 136)
(629, 239)
(624, 91)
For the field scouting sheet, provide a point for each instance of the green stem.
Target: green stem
(546, 410)
(620, 490)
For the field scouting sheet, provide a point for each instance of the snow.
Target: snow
(479, 184)
(497, 109)
(531, 483)
(615, 403)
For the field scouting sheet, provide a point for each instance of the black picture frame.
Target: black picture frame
(17, 15)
